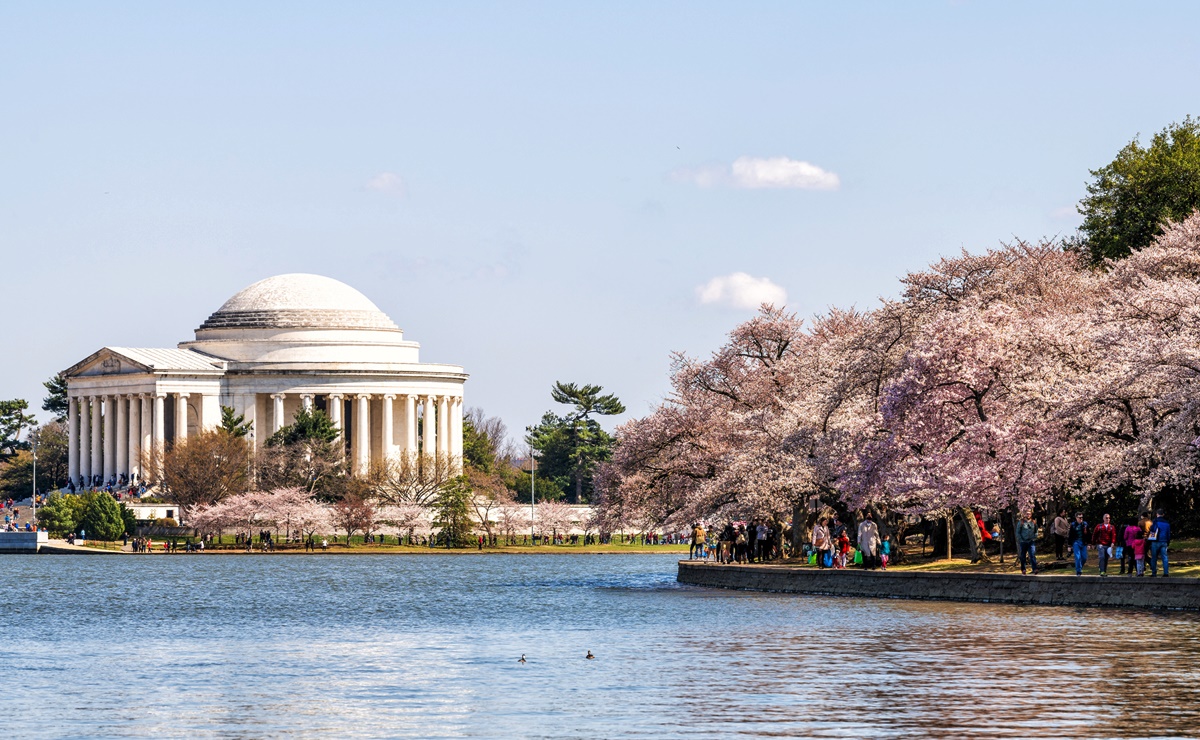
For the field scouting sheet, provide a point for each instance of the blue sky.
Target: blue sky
(541, 191)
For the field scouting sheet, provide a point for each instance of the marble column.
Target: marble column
(389, 447)
(73, 439)
(277, 412)
(444, 426)
(410, 425)
(361, 444)
(85, 438)
(146, 445)
(122, 441)
(110, 437)
(159, 443)
(133, 466)
(334, 402)
(97, 440)
(456, 432)
(306, 402)
(181, 417)
(429, 428)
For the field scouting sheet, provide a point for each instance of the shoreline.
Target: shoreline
(55, 549)
(989, 588)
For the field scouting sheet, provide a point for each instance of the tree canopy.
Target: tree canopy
(570, 446)
(56, 401)
(13, 421)
(1015, 378)
(235, 424)
(1131, 199)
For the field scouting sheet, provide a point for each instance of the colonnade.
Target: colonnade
(440, 422)
(114, 435)
(133, 431)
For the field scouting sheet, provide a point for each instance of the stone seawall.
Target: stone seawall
(1114, 591)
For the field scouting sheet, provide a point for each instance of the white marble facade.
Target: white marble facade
(282, 344)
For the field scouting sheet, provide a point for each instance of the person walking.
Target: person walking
(1077, 537)
(1027, 542)
(1128, 535)
(820, 541)
(868, 540)
(1060, 528)
(1104, 536)
(1160, 538)
(697, 539)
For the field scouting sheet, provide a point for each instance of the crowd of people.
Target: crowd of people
(12, 518)
(1131, 545)
(834, 545)
(758, 540)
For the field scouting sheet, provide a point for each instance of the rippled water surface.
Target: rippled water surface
(427, 646)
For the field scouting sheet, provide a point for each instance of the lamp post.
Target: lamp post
(532, 495)
(34, 497)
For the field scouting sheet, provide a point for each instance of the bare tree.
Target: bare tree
(206, 468)
(488, 494)
(410, 479)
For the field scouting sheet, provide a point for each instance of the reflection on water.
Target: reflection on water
(426, 646)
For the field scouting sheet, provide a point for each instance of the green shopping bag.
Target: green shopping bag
(858, 557)
(812, 558)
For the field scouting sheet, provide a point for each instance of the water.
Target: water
(427, 646)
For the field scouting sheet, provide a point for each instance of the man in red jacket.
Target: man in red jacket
(1103, 537)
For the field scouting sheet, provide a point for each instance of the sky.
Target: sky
(543, 191)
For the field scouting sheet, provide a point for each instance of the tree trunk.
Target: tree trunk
(974, 538)
(950, 538)
(798, 528)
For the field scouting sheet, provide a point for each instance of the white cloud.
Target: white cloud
(740, 290)
(781, 172)
(388, 182)
(761, 172)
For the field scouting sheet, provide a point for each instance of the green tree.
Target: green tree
(129, 519)
(61, 513)
(13, 421)
(570, 446)
(308, 453)
(236, 426)
(16, 476)
(102, 519)
(452, 513)
(1131, 198)
(56, 402)
(485, 442)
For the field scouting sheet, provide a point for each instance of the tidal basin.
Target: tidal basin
(427, 646)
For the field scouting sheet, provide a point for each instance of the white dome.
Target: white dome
(299, 301)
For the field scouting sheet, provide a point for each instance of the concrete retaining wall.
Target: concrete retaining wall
(1144, 593)
(22, 542)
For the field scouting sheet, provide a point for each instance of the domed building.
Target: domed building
(282, 344)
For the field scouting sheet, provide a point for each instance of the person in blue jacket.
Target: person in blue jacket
(1160, 537)
(1078, 536)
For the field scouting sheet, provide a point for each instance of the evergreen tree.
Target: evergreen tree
(452, 513)
(571, 445)
(13, 421)
(1131, 198)
(235, 425)
(56, 402)
(102, 519)
(61, 513)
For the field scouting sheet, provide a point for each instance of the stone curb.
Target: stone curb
(1088, 591)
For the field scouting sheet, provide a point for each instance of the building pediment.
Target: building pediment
(129, 361)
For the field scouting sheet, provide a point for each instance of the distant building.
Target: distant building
(282, 344)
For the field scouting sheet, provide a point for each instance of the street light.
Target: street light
(532, 495)
(34, 497)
